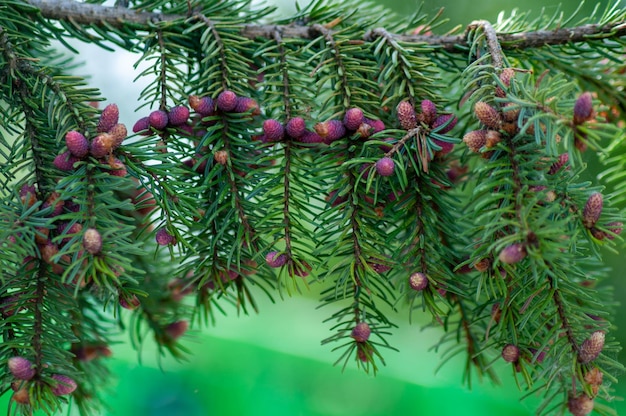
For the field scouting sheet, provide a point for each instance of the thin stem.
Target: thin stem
(163, 72)
(562, 314)
(338, 60)
(40, 291)
(287, 152)
(223, 62)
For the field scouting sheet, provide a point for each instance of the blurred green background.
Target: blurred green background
(273, 363)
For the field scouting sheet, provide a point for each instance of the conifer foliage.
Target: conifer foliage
(355, 150)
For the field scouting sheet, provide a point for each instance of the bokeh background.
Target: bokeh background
(273, 363)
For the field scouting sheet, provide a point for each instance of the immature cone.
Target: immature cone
(594, 377)
(310, 137)
(108, 118)
(68, 231)
(178, 115)
(488, 115)
(164, 238)
(221, 157)
(580, 405)
(446, 147)
(377, 125)
(591, 347)
(245, 104)
(141, 125)
(102, 145)
(583, 108)
(273, 259)
(615, 227)
(330, 130)
(204, 106)
(77, 143)
(118, 168)
(556, 166)
(129, 303)
(510, 353)
(361, 332)
(65, 161)
(512, 254)
(592, 210)
(92, 241)
(177, 329)
(510, 112)
(65, 385)
(492, 138)
(21, 368)
(385, 166)
(418, 281)
(20, 394)
(119, 133)
(226, 100)
(505, 76)
(273, 130)
(353, 118)
(475, 140)
(295, 127)
(429, 112)
(158, 119)
(406, 115)
(449, 120)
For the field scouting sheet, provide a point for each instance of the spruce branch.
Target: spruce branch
(322, 146)
(98, 15)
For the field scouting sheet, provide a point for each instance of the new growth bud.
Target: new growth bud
(446, 122)
(273, 259)
(164, 238)
(295, 127)
(353, 118)
(64, 386)
(580, 405)
(475, 140)
(92, 241)
(512, 254)
(510, 353)
(385, 166)
(177, 329)
(361, 332)
(591, 347)
(406, 115)
(592, 210)
(204, 106)
(21, 368)
(178, 115)
(108, 118)
(77, 143)
(226, 100)
(583, 108)
(158, 119)
(418, 281)
(429, 112)
(273, 130)
(488, 115)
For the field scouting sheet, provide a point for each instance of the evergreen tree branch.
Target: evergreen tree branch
(98, 15)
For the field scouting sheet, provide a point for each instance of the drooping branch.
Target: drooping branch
(103, 16)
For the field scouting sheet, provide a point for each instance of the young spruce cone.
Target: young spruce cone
(591, 347)
(361, 332)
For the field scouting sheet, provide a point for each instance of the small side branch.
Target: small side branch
(104, 16)
(493, 43)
